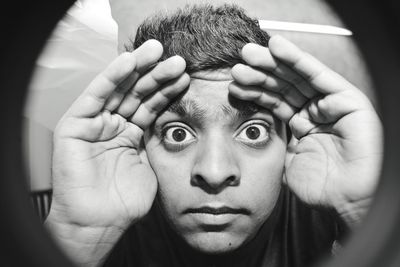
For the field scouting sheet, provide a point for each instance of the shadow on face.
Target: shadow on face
(219, 163)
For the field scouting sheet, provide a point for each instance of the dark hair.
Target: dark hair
(207, 37)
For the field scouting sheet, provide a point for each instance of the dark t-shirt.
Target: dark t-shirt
(294, 235)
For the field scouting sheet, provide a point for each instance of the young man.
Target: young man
(259, 156)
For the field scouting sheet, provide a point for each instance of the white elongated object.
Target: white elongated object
(303, 27)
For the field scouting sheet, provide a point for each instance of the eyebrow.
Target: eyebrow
(189, 108)
(241, 108)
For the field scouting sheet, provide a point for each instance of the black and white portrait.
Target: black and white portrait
(215, 133)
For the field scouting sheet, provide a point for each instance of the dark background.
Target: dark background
(25, 27)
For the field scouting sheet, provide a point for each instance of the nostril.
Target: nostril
(198, 180)
(233, 180)
(216, 183)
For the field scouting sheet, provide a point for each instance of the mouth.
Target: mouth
(217, 210)
(215, 218)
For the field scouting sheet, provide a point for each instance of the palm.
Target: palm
(99, 178)
(334, 156)
(336, 160)
(108, 180)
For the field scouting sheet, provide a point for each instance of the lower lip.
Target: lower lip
(214, 219)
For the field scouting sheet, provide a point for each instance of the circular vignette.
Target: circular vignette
(28, 24)
(376, 26)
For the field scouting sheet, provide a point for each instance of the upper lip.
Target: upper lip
(217, 210)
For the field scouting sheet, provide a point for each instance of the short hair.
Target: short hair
(207, 37)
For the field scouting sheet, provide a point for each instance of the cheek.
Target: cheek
(262, 174)
(172, 174)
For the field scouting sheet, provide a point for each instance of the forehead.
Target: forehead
(211, 86)
(208, 94)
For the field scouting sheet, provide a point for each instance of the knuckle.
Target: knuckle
(278, 102)
(298, 80)
(276, 68)
(270, 81)
(285, 89)
(170, 91)
(258, 95)
(136, 94)
(151, 109)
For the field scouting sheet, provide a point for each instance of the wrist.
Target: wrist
(79, 213)
(352, 212)
(85, 245)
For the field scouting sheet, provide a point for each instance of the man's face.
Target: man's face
(219, 164)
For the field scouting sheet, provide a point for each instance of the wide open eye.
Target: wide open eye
(176, 136)
(253, 134)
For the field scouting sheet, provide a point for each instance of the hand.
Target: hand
(335, 156)
(99, 178)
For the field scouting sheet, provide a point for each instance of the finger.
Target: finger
(247, 75)
(321, 78)
(169, 69)
(301, 124)
(133, 135)
(320, 113)
(269, 100)
(93, 99)
(259, 56)
(119, 93)
(146, 56)
(102, 127)
(155, 103)
(333, 107)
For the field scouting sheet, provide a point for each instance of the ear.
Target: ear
(290, 153)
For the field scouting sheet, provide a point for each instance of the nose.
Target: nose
(215, 167)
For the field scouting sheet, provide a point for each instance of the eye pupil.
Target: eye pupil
(253, 132)
(179, 135)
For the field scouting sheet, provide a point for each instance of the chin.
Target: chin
(214, 243)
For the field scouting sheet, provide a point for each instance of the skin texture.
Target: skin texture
(336, 155)
(103, 181)
(100, 183)
(216, 164)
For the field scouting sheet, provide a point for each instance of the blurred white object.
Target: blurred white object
(303, 27)
(96, 14)
(83, 43)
